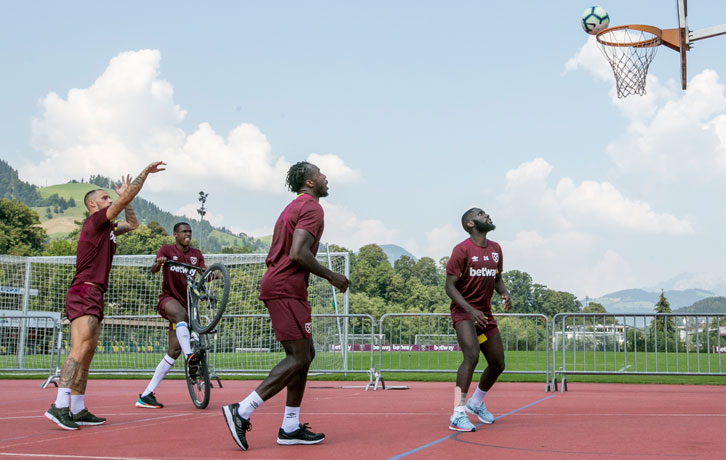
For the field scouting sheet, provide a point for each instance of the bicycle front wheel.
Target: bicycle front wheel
(198, 382)
(210, 300)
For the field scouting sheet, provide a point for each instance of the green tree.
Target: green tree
(61, 248)
(594, 307)
(427, 272)
(663, 334)
(20, 230)
(146, 239)
(372, 272)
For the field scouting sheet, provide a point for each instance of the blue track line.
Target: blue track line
(451, 436)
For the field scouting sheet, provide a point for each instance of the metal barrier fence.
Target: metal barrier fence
(28, 343)
(637, 344)
(247, 344)
(426, 343)
(37, 286)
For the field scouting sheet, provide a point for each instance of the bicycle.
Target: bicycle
(207, 296)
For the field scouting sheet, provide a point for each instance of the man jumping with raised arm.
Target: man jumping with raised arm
(84, 301)
(283, 289)
(473, 273)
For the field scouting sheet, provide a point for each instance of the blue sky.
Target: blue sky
(415, 110)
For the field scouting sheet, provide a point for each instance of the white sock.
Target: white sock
(291, 419)
(459, 410)
(63, 397)
(77, 403)
(249, 405)
(477, 397)
(162, 369)
(182, 334)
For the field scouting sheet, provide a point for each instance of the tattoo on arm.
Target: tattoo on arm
(130, 223)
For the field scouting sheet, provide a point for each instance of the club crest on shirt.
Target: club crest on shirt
(309, 328)
(193, 259)
(495, 257)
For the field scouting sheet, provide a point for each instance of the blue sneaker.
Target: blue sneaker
(460, 422)
(481, 412)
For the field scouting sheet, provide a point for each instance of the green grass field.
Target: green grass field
(422, 366)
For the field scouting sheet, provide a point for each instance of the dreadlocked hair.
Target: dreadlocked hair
(296, 176)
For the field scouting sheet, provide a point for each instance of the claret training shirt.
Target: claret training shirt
(174, 284)
(96, 247)
(284, 278)
(477, 269)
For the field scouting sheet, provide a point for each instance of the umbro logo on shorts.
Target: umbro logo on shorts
(309, 328)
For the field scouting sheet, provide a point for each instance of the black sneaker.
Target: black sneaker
(300, 436)
(62, 417)
(193, 365)
(149, 401)
(238, 426)
(86, 418)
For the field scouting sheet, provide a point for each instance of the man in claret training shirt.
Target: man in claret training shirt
(473, 273)
(173, 307)
(84, 301)
(283, 289)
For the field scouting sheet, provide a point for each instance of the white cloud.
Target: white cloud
(440, 241)
(588, 205)
(127, 118)
(334, 168)
(569, 261)
(676, 136)
(344, 228)
(590, 57)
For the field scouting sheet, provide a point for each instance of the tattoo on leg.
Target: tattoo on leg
(79, 383)
(92, 324)
(69, 372)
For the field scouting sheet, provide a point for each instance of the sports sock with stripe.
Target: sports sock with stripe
(162, 369)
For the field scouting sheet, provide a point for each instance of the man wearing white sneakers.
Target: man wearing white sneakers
(473, 273)
(172, 306)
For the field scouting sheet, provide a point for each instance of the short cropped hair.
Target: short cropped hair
(467, 217)
(179, 224)
(296, 175)
(89, 195)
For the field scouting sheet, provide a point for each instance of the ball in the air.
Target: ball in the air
(595, 19)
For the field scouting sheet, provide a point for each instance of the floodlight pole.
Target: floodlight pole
(202, 212)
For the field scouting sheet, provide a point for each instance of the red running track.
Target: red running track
(590, 421)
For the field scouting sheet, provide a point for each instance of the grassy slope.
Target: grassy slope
(63, 223)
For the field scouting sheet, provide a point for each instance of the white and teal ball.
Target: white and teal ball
(595, 19)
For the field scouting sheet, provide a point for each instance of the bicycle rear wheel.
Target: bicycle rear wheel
(210, 300)
(198, 384)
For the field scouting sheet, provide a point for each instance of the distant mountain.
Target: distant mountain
(394, 252)
(642, 301)
(714, 282)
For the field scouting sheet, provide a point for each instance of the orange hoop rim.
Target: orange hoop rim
(655, 41)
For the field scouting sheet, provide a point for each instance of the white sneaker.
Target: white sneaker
(460, 422)
(481, 412)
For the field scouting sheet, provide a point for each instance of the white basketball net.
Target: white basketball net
(630, 52)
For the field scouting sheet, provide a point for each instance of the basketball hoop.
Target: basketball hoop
(630, 50)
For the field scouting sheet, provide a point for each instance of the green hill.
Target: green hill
(60, 206)
(709, 305)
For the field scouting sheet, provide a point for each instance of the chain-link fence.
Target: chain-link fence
(133, 337)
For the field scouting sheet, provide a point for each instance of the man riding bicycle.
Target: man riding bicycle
(173, 307)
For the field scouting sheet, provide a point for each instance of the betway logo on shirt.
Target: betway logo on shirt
(490, 272)
(182, 270)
